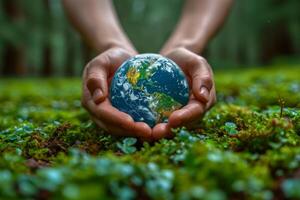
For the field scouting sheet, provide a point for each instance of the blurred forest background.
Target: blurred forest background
(36, 39)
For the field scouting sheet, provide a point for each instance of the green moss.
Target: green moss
(246, 147)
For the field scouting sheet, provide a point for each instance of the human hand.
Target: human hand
(96, 80)
(202, 96)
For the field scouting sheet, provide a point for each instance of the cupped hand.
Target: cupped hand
(202, 95)
(96, 79)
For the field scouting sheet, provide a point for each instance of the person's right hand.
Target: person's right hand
(96, 80)
(202, 95)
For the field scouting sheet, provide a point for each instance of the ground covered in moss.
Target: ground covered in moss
(246, 147)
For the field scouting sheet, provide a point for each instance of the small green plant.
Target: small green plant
(126, 146)
(231, 128)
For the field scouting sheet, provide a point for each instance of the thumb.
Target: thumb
(96, 82)
(202, 85)
(202, 81)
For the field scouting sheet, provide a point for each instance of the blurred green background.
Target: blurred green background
(36, 39)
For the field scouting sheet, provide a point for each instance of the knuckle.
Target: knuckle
(116, 55)
(202, 60)
(207, 81)
(88, 68)
(123, 53)
(204, 78)
(191, 63)
(175, 52)
(92, 76)
(100, 61)
(126, 123)
(203, 63)
(196, 62)
(179, 49)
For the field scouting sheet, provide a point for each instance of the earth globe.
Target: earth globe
(149, 87)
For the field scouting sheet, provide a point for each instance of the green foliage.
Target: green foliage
(291, 188)
(246, 147)
(127, 145)
(230, 128)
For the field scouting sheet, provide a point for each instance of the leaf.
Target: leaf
(230, 128)
(129, 141)
(126, 145)
(291, 188)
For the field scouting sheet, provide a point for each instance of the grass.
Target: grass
(246, 147)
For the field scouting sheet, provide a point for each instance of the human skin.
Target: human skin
(97, 22)
(199, 22)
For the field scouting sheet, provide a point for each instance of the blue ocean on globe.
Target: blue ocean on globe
(149, 87)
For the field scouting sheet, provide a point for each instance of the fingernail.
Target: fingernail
(204, 93)
(97, 96)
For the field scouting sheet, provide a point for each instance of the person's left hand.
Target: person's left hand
(95, 97)
(202, 95)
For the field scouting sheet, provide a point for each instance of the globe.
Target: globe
(149, 87)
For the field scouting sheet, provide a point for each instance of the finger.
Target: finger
(143, 131)
(100, 69)
(161, 130)
(202, 84)
(197, 122)
(96, 80)
(111, 116)
(202, 78)
(212, 98)
(112, 129)
(192, 111)
(140, 129)
(198, 70)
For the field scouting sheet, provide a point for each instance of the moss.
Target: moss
(246, 147)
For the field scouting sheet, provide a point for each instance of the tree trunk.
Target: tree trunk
(14, 54)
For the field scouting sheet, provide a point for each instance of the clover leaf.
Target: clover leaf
(230, 128)
(127, 145)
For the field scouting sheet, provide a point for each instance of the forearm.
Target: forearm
(98, 24)
(199, 22)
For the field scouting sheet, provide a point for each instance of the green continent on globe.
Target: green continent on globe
(163, 104)
(149, 87)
